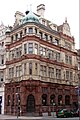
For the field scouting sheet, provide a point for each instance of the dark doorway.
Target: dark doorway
(30, 103)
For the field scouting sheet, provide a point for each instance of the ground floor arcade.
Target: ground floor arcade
(33, 96)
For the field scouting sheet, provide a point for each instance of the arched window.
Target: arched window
(52, 100)
(44, 99)
(8, 100)
(13, 100)
(67, 100)
(60, 100)
(18, 99)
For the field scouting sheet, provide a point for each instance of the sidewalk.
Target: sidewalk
(8, 117)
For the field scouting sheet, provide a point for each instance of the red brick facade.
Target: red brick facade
(31, 92)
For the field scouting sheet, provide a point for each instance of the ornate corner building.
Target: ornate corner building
(41, 65)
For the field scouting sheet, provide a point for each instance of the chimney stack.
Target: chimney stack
(18, 17)
(41, 10)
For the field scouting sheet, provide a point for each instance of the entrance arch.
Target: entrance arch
(30, 103)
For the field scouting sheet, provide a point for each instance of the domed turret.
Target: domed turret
(30, 17)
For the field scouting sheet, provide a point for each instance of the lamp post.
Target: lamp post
(79, 95)
(17, 103)
(53, 103)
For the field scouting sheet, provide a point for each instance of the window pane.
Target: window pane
(25, 48)
(30, 30)
(30, 68)
(30, 48)
(36, 48)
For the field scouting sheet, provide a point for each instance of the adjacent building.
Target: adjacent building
(2, 65)
(78, 60)
(41, 65)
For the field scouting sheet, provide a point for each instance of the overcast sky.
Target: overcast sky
(56, 11)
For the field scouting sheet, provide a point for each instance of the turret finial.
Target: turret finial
(30, 7)
(65, 19)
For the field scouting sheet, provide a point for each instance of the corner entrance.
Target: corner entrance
(30, 103)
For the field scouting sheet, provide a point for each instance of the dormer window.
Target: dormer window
(40, 33)
(46, 37)
(56, 42)
(21, 34)
(50, 38)
(43, 22)
(67, 45)
(16, 36)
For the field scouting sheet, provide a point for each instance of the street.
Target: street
(8, 117)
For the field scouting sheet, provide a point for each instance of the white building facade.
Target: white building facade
(2, 65)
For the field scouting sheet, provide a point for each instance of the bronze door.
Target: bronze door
(30, 103)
